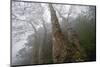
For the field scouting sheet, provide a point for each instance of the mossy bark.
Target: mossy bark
(63, 50)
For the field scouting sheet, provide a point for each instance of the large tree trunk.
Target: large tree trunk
(59, 43)
(63, 50)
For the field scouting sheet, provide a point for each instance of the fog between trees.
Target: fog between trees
(52, 33)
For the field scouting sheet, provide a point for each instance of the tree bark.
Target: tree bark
(59, 43)
(63, 50)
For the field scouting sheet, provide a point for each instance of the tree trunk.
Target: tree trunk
(59, 43)
(63, 50)
(35, 46)
(43, 46)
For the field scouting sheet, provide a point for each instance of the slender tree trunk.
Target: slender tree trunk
(42, 47)
(45, 47)
(35, 46)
